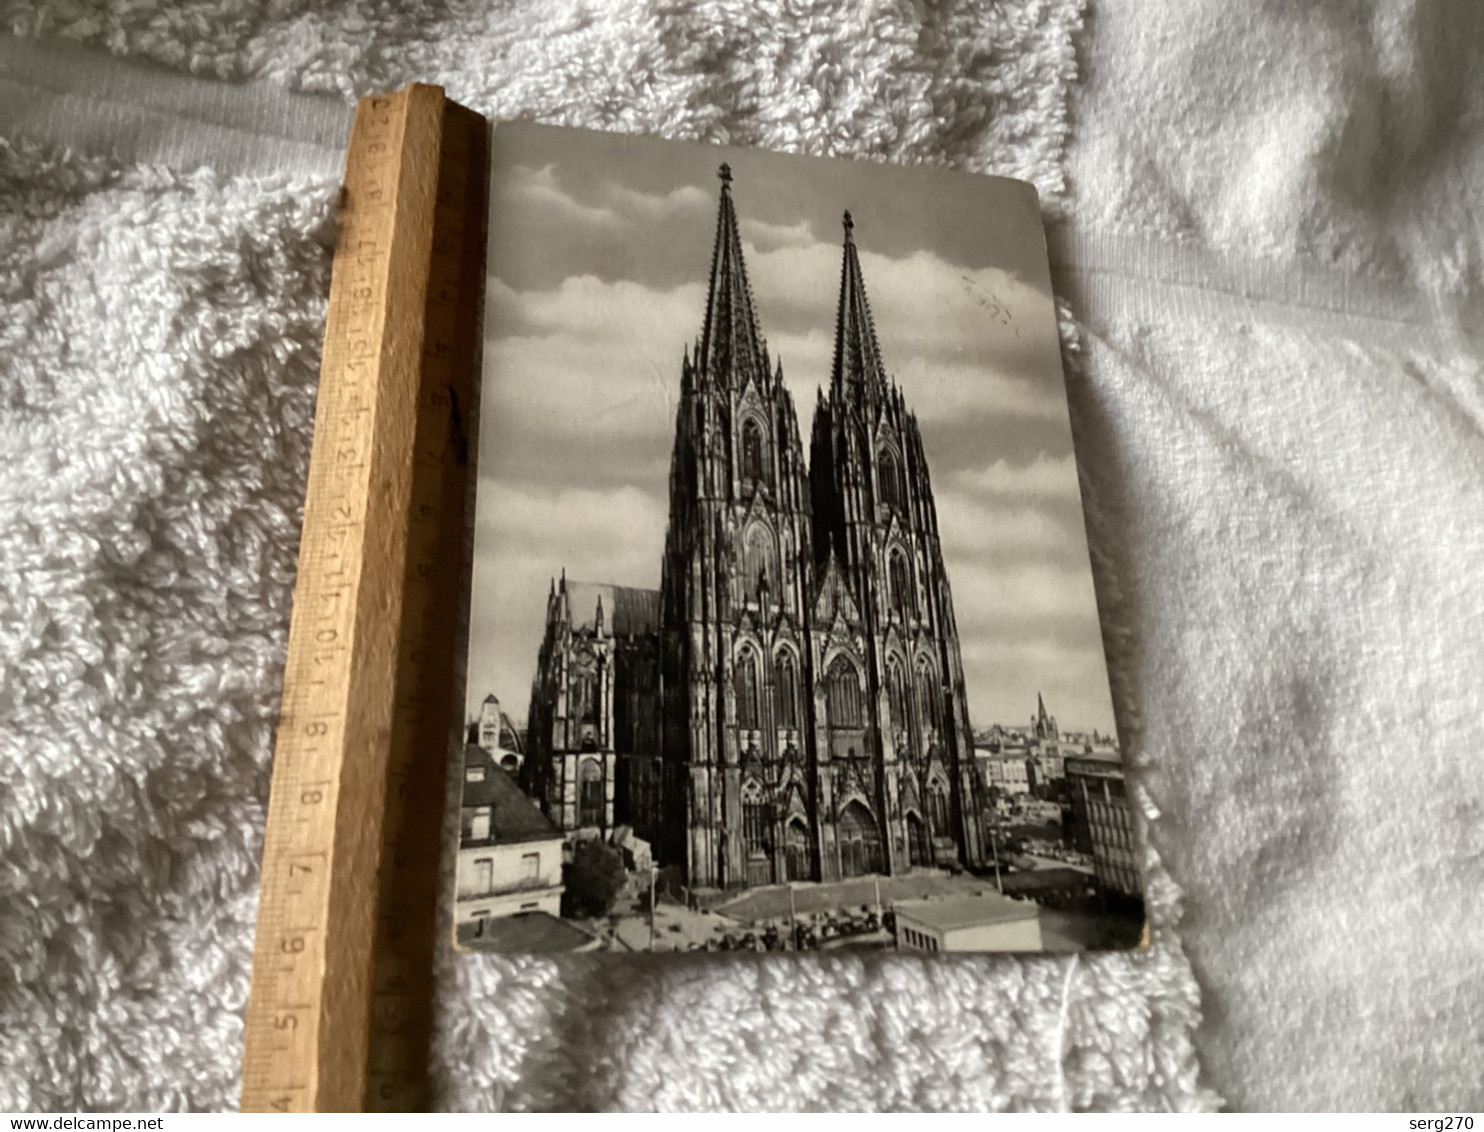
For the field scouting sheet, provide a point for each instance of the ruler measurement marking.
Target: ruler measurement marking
(403, 1025)
(319, 1004)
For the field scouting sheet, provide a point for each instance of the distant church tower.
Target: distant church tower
(891, 715)
(594, 716)
(1044, 725)
(735, 589)
(572, 768)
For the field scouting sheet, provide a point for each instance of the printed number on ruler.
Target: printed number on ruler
(311, 727)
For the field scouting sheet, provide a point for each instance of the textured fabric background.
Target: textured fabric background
(1279, 263)
(158, 354)
(1269, 251)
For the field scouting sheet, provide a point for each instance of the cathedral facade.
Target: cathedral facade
(594, 709)
(794, 704)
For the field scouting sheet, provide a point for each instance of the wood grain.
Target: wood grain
(338, 1016)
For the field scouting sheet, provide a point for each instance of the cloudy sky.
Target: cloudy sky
(600, 247)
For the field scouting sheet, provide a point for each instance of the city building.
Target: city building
(1009, 770)
(510, 853)
(1050, 766)
(796, 691)
(989, 922)
(1031, 759)
(1103, 821)
(494, 734)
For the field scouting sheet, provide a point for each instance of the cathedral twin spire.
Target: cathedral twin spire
(731, 343)
(857, 369)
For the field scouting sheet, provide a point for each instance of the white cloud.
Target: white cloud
(806, 362)
(538, 190)
(973, 528)
(936, 391)
(525, 535)
(583, 362)
(657, 207)
(584, 307)
(946, 392)
(1006, 680)
(1026, 629)
(921, 303)
(599, 526)
(587, 361)
(1045, 478)
(607, 353)
(758, 236)
(999, 601)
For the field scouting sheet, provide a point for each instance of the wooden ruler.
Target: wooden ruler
(340, 1010)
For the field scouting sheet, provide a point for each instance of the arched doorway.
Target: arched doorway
(590, 795)
(919, 852)
(938, 808)
(796, 849)
(757, 835)
(860, 842)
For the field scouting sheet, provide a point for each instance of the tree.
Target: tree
(593, 879)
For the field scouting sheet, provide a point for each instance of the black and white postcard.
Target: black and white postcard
(783, 633)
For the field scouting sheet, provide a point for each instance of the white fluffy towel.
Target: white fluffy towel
(1267, 243)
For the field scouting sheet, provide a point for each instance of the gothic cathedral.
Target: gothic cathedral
(791, 704)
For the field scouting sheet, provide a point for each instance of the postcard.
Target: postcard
(783, 634)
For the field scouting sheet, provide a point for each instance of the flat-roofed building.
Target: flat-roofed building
(989, 922)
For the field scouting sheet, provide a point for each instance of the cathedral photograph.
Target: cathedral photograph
(783, 633)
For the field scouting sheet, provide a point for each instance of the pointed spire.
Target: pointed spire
(857, 368)
(598, 620)
(730, 340)
(563, 603)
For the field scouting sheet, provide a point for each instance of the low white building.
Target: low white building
(510, 853)
(989, 922)
(1006, 769)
